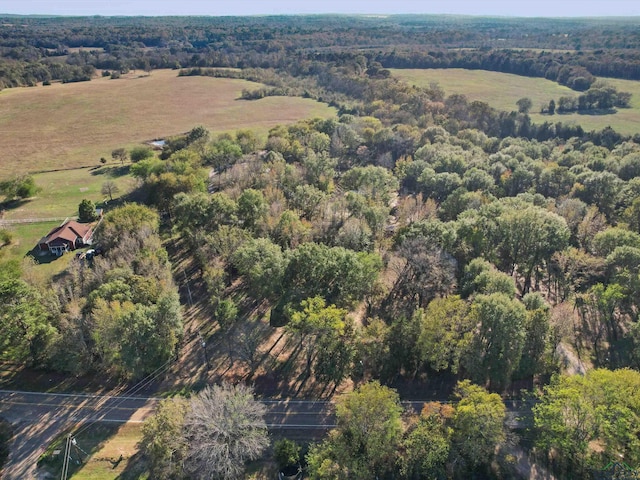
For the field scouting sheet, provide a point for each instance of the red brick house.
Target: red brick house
(68, 236)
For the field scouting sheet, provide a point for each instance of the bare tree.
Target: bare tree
(120, 154)
(224, 429)
(109, 188)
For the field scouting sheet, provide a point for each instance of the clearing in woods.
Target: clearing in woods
(72, 125)
(503, 90)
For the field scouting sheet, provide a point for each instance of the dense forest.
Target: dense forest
(572, 52)
(416, 236)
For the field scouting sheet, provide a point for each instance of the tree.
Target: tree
(425, 449)
(323, 333)
(286, 453)
(552, 107)
(498, 341)
(262, 264)
(446, 333)
(252, 208)
(19, 187)
(120, 154)
(576, 413)
(524, 105)
(478, 424)
(87, 211)
(364, 443)
(131, 220)
(163, 440)
(24, 322)
(6, 237)
(140, 152)
(109, 188)
(224, 429)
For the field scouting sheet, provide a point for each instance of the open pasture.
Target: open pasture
(503, 90)
(71, 125)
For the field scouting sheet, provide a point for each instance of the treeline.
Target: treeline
(42, 49)
(601, 96)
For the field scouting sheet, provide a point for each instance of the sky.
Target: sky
(520, 8)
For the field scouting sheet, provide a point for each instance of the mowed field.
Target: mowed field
(503, 90)
(71, 125)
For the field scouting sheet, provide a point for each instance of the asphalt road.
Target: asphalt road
(40, 417)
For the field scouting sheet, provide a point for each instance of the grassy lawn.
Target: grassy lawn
(112, 454)
(62, 191)
(25, 240)
(502, 91)
(71, 125)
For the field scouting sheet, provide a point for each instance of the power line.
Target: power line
(129, 392)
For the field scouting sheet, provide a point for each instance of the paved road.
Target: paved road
(40, 417)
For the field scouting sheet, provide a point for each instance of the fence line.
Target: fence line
(15, 221)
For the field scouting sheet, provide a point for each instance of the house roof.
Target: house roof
(68, 231)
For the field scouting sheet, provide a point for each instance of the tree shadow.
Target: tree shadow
(111, 171)
(13, 204)
(591, 112)
(135, 468)
(41, 257)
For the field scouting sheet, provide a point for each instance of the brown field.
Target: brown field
(503, 90)
(71, 125)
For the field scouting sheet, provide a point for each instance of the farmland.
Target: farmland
(502, 91)
(71, 125)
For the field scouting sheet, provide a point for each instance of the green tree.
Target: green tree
(6, 237)
(527, 238)
(339, 275)
(19, 187)
(140, 152)
(223, 153)
(252, 208)
(163, 441)
(577, 412)
(262, 263)
(524, 105)
(478, 424)
(286, 453)
(425, 449)
(498, 341)
(128, 220)
(366, 438)
(447, 330)
(25, 323)
(316, 325)
(87, 211)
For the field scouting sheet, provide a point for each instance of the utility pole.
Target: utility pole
(67, 456)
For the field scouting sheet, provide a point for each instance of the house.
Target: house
(68, 236)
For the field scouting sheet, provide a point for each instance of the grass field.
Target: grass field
(70, 125)
(59, 198)
(502, 91)
(112, 449)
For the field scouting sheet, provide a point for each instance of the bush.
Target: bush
(286, 453)
(140, 152)
(226, 312)
(19, 187)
